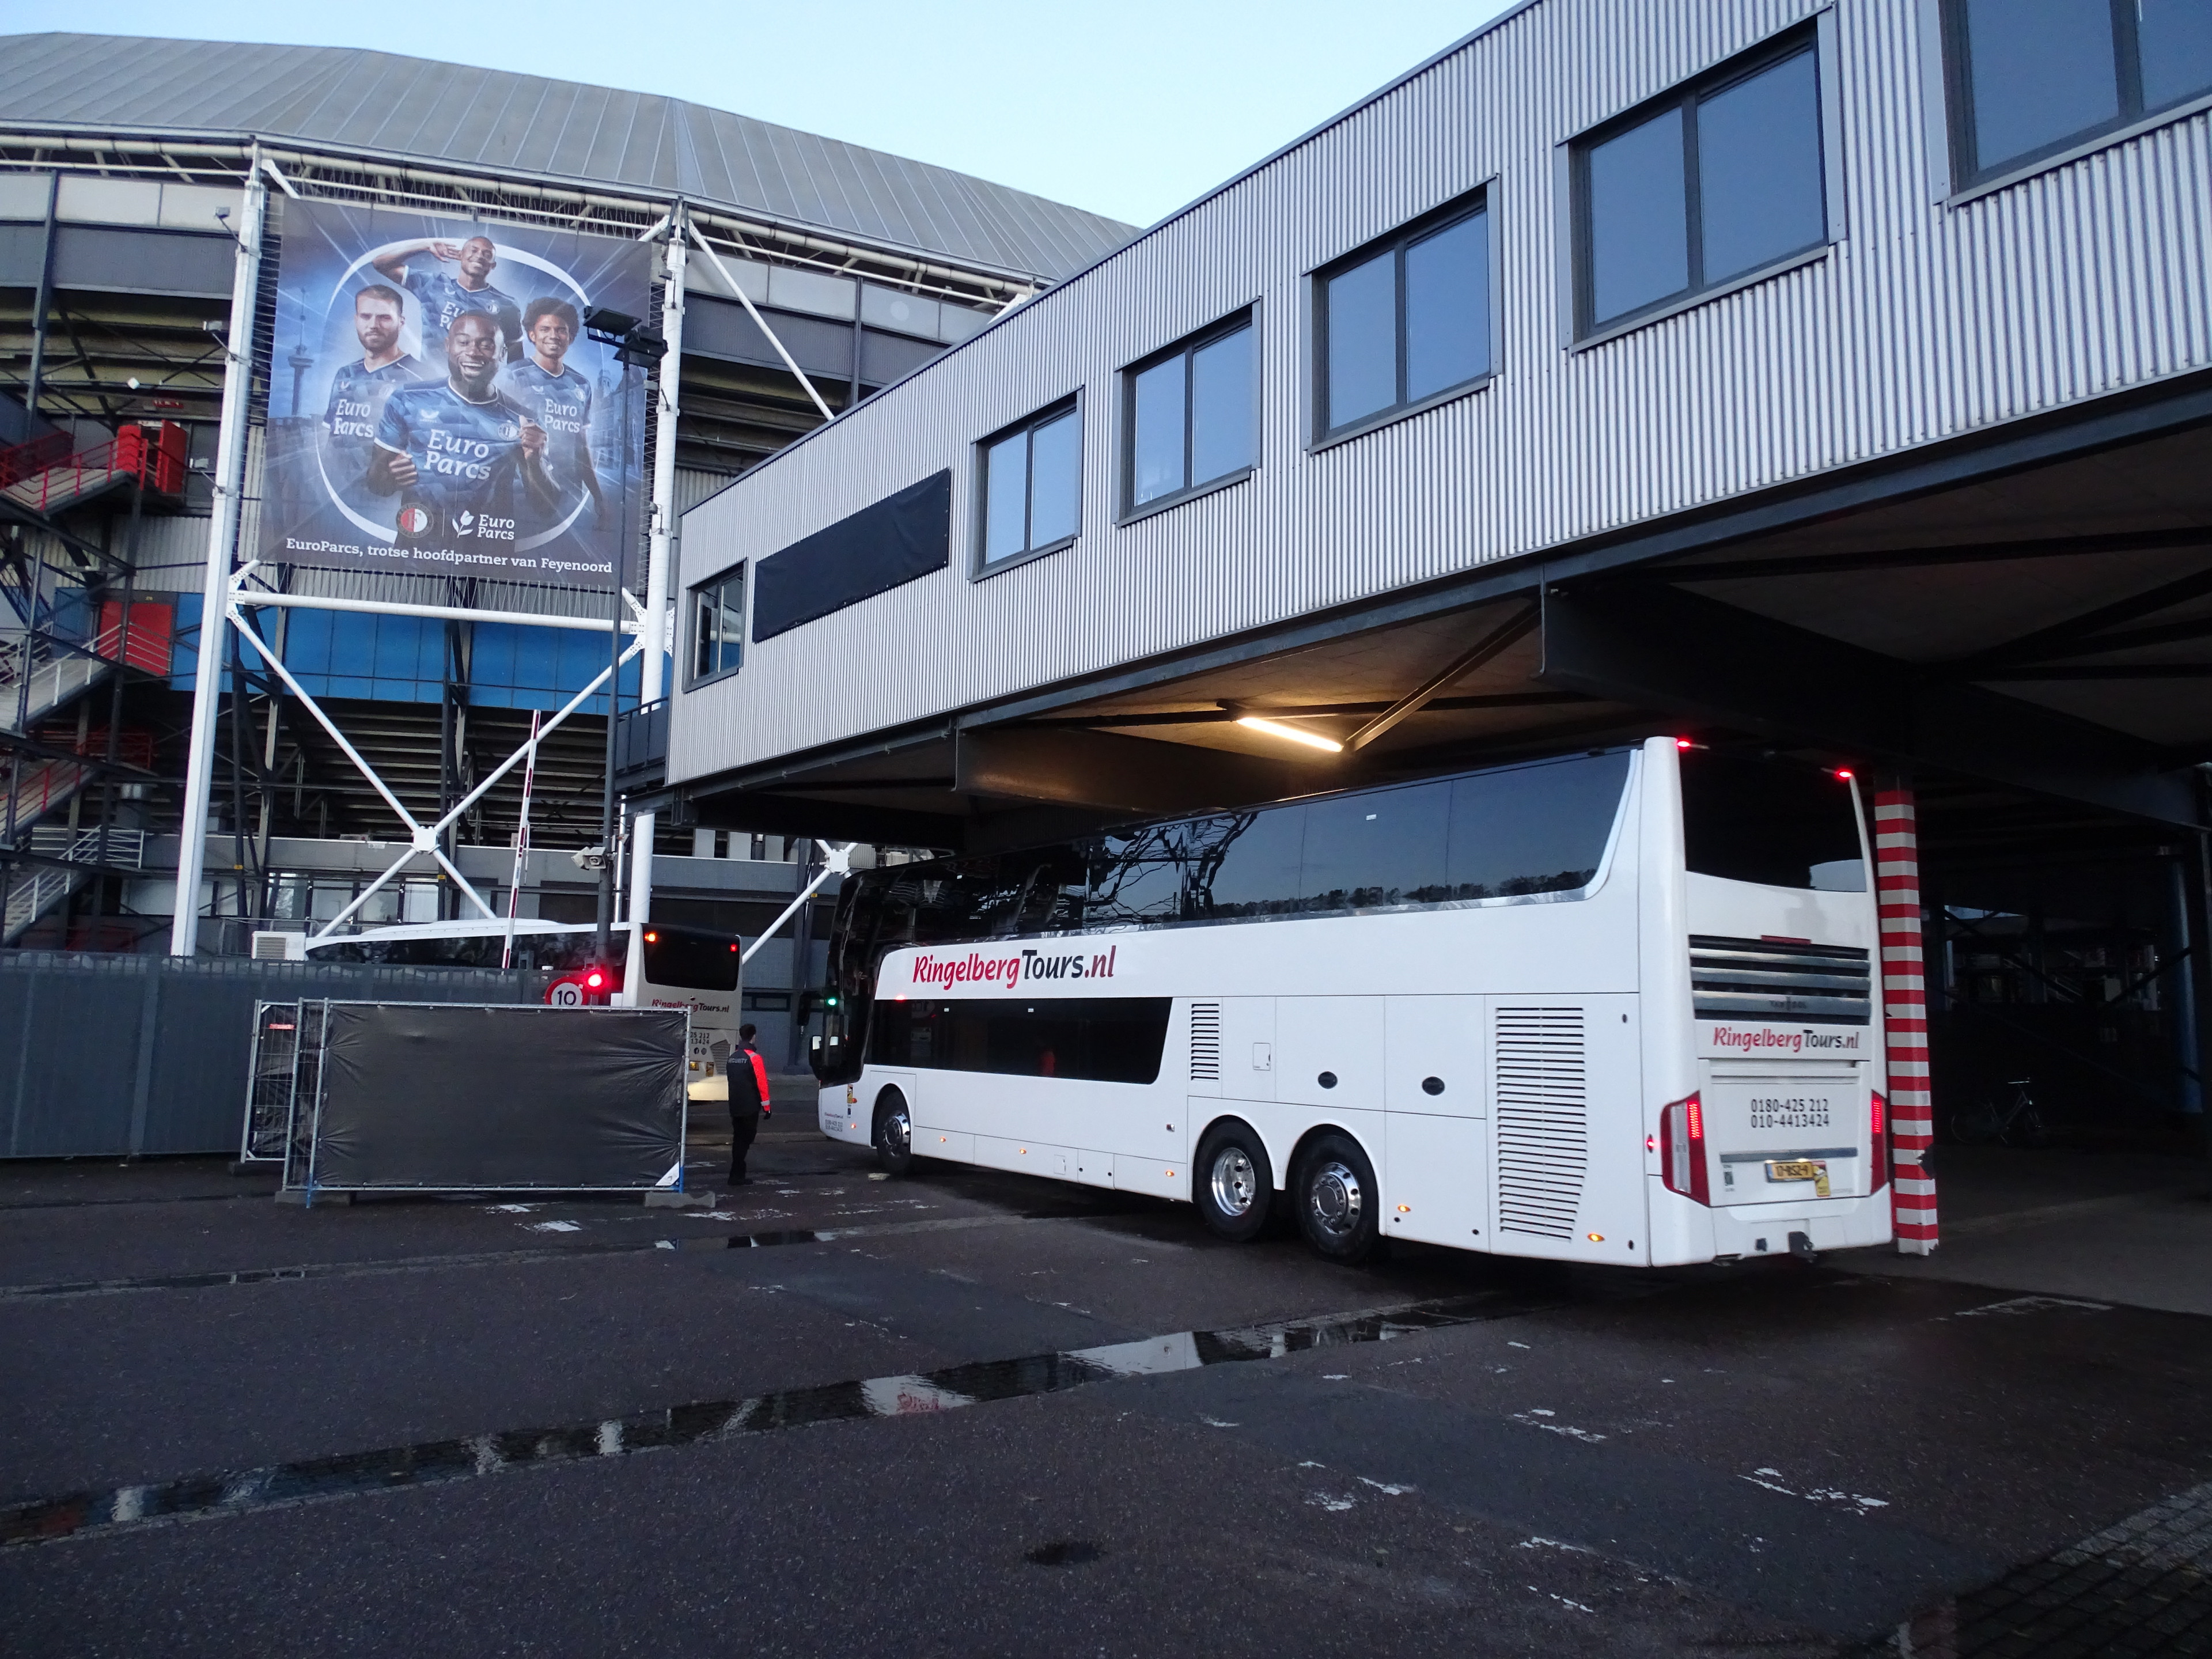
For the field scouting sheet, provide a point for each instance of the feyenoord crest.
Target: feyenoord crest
(413, 521)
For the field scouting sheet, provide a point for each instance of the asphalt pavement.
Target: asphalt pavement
(965, 1412)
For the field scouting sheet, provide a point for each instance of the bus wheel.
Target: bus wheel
(1336, 1198)
(1234, 1185)
(894, 1134)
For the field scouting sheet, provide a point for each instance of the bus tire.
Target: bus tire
(1233, 1183)
(1338, 1201)
(894, 1133)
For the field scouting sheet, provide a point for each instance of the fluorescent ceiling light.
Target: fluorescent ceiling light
(1277, 729)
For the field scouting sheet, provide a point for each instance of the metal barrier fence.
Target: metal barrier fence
(115, 1056)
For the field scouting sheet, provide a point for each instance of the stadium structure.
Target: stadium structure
(818, 273)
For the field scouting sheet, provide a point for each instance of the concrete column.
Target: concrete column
(1904, 1015)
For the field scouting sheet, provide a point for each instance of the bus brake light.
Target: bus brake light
(1878, 1148)
(1682, 1149)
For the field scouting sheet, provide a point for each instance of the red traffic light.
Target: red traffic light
(595, 979)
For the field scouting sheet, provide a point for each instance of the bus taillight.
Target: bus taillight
(1878, 1149)
(1682, 1149)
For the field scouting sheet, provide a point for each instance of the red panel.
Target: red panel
(148, 645)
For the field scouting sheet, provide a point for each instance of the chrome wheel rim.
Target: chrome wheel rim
(1235, 1182)
(1334, 1197)
(897, 1131)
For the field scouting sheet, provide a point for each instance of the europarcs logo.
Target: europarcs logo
(484, 526)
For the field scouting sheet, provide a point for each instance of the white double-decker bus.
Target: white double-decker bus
(1612, 1006)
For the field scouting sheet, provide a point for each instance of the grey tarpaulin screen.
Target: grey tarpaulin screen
(898, 538)
(427, 1095)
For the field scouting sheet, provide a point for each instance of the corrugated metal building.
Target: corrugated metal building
(1924, 321)
(1832, 375)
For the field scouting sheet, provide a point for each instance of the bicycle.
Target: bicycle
(2006, 1121)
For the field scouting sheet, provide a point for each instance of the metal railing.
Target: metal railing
(41, 671)
(45, 885)
(158, 460)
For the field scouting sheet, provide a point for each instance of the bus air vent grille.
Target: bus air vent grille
(1204, 1041)
(1543, 1120)
(1778, 979)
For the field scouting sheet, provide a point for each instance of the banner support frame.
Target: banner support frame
(222, 538)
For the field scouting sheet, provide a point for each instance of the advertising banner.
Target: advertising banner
(436, 407)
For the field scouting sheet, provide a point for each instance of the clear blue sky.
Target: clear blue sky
(1128, 109)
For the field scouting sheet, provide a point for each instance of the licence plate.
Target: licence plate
(1799, 1168)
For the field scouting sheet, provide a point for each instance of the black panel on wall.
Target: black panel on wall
(720, 328)
(877, 549)
(142, 261)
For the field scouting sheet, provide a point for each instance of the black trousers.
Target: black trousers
(744, 1124)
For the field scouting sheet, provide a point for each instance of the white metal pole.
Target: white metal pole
(521, 844)
(654, 634)
(223, 534)
(836, 861)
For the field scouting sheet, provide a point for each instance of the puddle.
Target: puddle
(977, 1383)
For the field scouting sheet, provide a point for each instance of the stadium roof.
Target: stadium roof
(381, 104)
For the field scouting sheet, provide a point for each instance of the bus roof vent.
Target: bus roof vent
(1543, 1120)
(1204, 1041)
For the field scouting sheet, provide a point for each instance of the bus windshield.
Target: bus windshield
(1771, 821)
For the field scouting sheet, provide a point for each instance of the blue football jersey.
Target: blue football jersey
(467, 455)
(442, 298)
(357, 396)
(561, 404)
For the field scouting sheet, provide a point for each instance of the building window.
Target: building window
(2030, 78)
(1711, 183)
(1405, 322)
(718, 626)
(1032, 485)
(1189, 414)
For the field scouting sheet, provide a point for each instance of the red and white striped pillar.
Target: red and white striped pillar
(1904, 1015)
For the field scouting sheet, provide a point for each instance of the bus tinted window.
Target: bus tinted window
(1247, 864)
(1386, 847)
(1770, 821)
(1136, 878)
(1538, 828)
(1098, 1039)
(691, 962)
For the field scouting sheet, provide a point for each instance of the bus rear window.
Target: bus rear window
(1771, 821)
(691, 962)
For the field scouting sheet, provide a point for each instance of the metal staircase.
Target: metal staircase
(43, 886)
(56, 673)
(48, 477)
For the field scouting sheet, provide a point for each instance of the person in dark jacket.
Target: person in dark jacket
(748, 1074)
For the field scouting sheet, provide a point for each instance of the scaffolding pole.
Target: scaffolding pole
(653, 635)
(222, 535)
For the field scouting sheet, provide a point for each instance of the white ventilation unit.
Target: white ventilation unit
(1543, 1120)
(1205, 1042)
